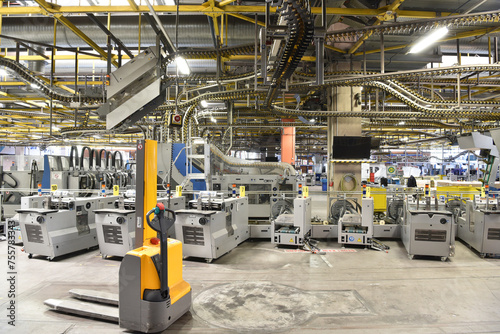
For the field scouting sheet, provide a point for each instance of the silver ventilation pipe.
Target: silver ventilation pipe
(193, 32)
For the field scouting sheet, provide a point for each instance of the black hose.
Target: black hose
(13, 179)
(93, 154)
(33, 172)
(99, 157)
(113, 160)
(109, 160)
(73, 157)
(83, 154)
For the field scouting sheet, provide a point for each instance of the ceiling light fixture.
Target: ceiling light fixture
(204, 103)
(429, 39)
(182, 65)
(35, 86)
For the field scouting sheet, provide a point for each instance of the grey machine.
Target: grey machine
(212, 225)
(427, 231)
(293, 228)
(479, 227)
(53, 226)
(116, 226)
(355, 228)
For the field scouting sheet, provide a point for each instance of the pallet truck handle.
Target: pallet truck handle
(161, 223)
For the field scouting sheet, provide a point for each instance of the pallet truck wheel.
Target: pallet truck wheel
(482, 255)
(209, 260)
(104, 256)
(410, 257)
(50, 259)
(30, 256)
(444, 258)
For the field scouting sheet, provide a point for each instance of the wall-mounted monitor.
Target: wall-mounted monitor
(351, 147)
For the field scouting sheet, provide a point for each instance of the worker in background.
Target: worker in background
(411, 182)
(383, 182)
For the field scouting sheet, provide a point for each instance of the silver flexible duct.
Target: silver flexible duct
(193, 32)
(286, 167)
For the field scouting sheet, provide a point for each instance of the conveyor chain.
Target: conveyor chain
(414, 26)
(212, 53)
(30, 77)
(297, 14)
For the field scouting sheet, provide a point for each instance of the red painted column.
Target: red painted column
(288, 143)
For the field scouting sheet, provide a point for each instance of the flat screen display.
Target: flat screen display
(351, 147)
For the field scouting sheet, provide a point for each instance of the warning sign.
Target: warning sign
(291, 239)
(176, 120)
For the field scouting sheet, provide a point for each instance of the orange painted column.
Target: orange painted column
(288, 143)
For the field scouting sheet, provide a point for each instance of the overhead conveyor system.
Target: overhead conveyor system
(397, 86)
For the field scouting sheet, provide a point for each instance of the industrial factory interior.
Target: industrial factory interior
(250, 166)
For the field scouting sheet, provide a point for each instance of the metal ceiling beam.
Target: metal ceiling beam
(197, 8)
(391, 9)
(466, 34)
(54, 10)
(110, 34)
(133, 5)
(246, 18)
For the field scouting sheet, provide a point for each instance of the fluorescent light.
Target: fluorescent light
(429, 39)
(182, 65)
(3, 72)
(213, 119)
(312, 120)
(401, 123)
(204, 103)
(55, 128)
(35, 86)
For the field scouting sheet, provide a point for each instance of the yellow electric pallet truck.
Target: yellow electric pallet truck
(152, 293)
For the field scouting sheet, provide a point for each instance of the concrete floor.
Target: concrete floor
(257, 288)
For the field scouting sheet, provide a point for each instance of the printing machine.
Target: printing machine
(53, 226)
(293, 228)
(116, 226)
(479, 226)
(356, 228)
(212, 225)
(263, 191)
(428, 229)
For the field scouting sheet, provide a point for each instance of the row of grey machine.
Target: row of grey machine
(426, 225)
(116, 226)
(85, 172)
(55, 225)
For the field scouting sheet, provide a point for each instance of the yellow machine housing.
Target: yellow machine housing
(139, 274)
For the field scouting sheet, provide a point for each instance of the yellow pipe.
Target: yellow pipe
(197, 8)
(246, 18)
(133, 5)
(225, 2)
(335, 49)
(391, 8)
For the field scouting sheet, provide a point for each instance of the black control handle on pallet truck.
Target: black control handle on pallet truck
(162, 221)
